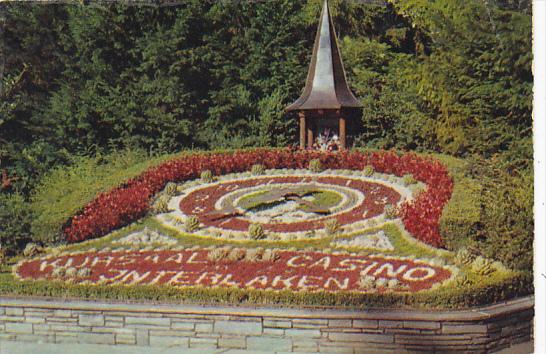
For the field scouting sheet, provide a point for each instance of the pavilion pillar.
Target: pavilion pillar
(342, 133)
(302, 129)
(310, 137)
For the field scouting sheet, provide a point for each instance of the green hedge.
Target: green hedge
(460, 218)
(507, 218)
(65, 191)
(461, 215)
(490, 211)
(14, 223)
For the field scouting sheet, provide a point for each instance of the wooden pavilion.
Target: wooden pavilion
(326, 105)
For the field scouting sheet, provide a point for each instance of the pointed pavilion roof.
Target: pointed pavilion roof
(326, 86)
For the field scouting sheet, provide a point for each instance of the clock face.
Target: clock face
(286, 205)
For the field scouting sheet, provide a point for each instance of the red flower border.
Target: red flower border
(131, 201)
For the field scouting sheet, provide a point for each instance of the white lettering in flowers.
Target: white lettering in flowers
(342, 286)
(306, 282)
(134, 277)
(368, 269)
(391, 273)
(106, 260)
(260, 279)
(307, 271)
(177, 258)
(103, 278)
(287, 283)
(160, 275)
(192, 259)
(292, 261)
(181, 278)
(324, 262)
(348, 264)
(411, 276)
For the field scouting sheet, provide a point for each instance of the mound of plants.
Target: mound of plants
(131, 201)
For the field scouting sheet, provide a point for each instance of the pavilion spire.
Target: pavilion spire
(326, 86)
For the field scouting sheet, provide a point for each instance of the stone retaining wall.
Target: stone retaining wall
(478, 330)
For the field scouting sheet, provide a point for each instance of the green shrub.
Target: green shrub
(332, 226)
(15, 218)
(460, 218)
(206, 176)
(66, 190)
(84, 272)
(463, 257)
(192, 223)
(236, 254)
(463, 281)
(270, 255)
(170, 189)
(482, 266)
(256, 232)
(506, 224)
(408, 180)
(368, 171)
(32, 249)
(315, 166)
(391, 211)
(257, 169)
(254, 254)
(508, 220)
(490, 211)
(218, 254)
(161, 204)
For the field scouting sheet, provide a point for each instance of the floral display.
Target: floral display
(288, 270)
(217, 204)
(132, 200)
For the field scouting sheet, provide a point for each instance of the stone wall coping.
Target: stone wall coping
(472, 314)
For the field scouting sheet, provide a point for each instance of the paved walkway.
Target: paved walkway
(10, 347)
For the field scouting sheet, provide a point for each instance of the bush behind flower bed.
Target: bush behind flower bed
(129, 202)
(461, 216)
(64, 191)
(490, 211)
(14, 224)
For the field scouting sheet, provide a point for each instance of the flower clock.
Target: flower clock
(286, 204)
(267, 220)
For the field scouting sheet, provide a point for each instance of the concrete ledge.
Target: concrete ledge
(255, 328)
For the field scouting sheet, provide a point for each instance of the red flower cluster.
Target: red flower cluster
(129, 202)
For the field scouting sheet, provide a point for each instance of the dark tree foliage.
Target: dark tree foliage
(451, 76)
(31, 67)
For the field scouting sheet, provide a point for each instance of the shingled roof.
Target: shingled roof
(326, 86)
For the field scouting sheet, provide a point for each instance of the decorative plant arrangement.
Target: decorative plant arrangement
(129, 166)
(274, 221)
(130, 202)
(283, 270)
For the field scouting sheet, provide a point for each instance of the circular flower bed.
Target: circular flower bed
(286, 204)
(132, 200)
